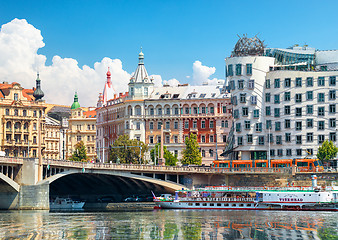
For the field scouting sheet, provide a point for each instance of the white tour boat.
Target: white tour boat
(65, 203)
(253, 198)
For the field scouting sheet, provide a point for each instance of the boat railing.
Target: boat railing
(219, 199)
(271, 188)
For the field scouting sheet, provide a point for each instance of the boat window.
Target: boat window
(226, 204)
(197, 204)
(241, 205)
(218, 204)
(248, 205)
(234, 205)
(211, 204)
(309, 194)
(319, 194)
(304, 195)
(190, 204)
(204, 204)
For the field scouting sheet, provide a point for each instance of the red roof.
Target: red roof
(90, 114)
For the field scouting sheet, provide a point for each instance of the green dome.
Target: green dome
(76, 103)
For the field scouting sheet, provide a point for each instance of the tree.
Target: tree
(80, 153)
(327, 151)
(125, 150)
(170, 159)
(191, 153)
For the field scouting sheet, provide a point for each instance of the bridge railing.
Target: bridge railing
(11, 160)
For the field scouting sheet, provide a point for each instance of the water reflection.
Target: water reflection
(168, 224)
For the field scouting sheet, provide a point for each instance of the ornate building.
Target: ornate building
(81, 127)
(53, 138)
(142, 111)
(22, 125)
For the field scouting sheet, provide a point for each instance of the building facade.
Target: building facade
(81, 127)
(140, 113)
(52, 138)
(284, 100)
(22, 125)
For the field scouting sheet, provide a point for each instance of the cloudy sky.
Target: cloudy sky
(72, 43)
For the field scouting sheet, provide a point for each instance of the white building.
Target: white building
(287, 96)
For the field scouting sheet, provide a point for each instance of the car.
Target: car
(131, 199)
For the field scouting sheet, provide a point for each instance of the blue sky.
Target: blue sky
(173, 34)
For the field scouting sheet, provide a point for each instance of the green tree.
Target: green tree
(125, 150)
(80, 153)
(191, 153)
(170, 159)
(327, 151)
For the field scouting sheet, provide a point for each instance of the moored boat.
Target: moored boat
(65, 203)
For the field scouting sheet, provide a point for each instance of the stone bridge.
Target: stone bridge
(21, 187)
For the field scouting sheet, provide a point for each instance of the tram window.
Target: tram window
(302, 164)
(197, 204)
(219, 205)
(261, 165)
(211, 204)
(223, 165)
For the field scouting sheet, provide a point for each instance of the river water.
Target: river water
(168, 224)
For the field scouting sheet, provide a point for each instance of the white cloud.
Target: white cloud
(201, 74)
(19, 62)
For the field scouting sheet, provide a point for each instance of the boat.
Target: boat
(65, 203)
(310, 198)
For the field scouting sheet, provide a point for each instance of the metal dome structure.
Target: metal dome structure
(248, 47)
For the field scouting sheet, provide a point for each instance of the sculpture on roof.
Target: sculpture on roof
(248, 47)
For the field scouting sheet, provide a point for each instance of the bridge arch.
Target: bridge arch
(10, 182)
(167, 184)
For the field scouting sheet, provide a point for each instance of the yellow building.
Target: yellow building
(22, 120)
(82, 127)
(53, 138)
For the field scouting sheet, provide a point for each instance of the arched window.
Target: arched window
(9, 125)
(16, 112)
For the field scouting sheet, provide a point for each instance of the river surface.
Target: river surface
(168, 224)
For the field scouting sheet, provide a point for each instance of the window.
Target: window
(272, 152)
(211, 153)
(268, 111)
(212, 110)
(299, 152)
(16, 112)
(249, 69)
(321, 125)
(224, 138)
(298, 82)
(240, 140)
(211, 124)
(309, 123)
(238, 69)
(258, 127)
(203, 110)
(288, 152)
(151, 111)
(138, 111)
(298, 112)
(333, 136)
(287, 96)
(7, 111)
(78, 138)
(332, 81)
(287, 123)
(151, 125)
(194, 124)
(16, 97)
(287, 82)
(332, 95)
(277, 99)
(254, 100)
(223, 124)
(277, 126)
(224, 109)
(230, 70)
(203, 153)
(159, 111)
(261, 140)
(138, 126)
(242, 98)
(332, 108)
(267, 97)
(309, 82)
(175, 139)
(267, 83)
(298, 139)
(186, 124)
(167, 111)
(321, 138)
(256, 113)
(151, 139)
(280, 152)
(176, 112)
(251, 84)
(245, 111)
(195, 110)
(287, 137)
(332, 122)
(309, 109)
(167, 125)
(298, 97)
(247, 124)
(232, 85)
(298, 126)
(249, 138)
(277, 112)
(159, 124)
(146, 91)
(277, 83)
(175, 125)
(321, 81)
(321, 97)
(34, 113)
(203, 138)
(268, 124)
(309, 95)
(240, 84)
(236, 113)
(309, 137)
(287, 110)
(321, 111)
(226, 124)
(167, 139)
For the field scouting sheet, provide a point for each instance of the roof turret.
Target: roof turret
(76, 103)
(38, 93)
